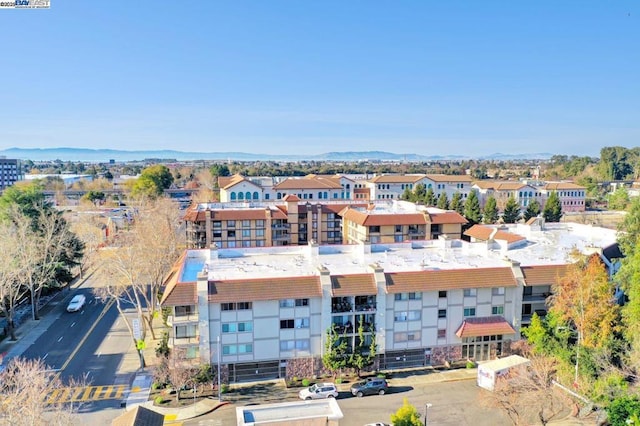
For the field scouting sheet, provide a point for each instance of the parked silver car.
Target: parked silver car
(318, 391)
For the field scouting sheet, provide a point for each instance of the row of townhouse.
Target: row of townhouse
(392, 187)
(265, 312)
(296, 222)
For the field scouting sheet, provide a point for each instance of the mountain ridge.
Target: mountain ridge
(104, 155)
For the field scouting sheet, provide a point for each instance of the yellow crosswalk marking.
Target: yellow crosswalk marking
(86, 393)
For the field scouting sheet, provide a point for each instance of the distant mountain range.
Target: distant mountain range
(104, 155)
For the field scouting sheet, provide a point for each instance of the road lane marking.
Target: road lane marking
(87, 392)
(72, 324)
(60, 339)
(45, 356)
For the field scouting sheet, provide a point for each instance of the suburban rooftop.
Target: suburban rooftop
(550, 245)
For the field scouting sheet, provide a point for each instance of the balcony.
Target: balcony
(366, 307)
(182, 319)
(535, 298)
(183, 341)
(338, 306)
(281, 237)
(277, 226)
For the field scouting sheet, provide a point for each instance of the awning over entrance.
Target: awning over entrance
(484, 326)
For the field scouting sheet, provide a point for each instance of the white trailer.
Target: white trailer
(488, 372)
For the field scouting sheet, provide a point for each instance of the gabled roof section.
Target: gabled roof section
(499, 186)
(239, 214)
(486, 233)
(555, 186)
(376, 219)
(484, 326)
(308, 183)
(226, 182)
(179, 293)
(353, 285)
(274, 288)
(401, 282)
(396, 179)
(291, 197)
(543, 274)
(449, 178)
(449, 217)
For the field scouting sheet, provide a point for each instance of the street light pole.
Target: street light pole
(426, 413)
(219, 370)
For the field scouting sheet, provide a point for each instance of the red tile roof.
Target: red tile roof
(446, 218)
(484, 233)
(178, 293)
(291, 197)
(429, 280)
(353, 285)
(484, 326)
(499, 186)
(307, 183)
(450, 178)
(396, 179)
(554, 186)
(543, 274)
(274, 288)
(377, 219)
(225, 182)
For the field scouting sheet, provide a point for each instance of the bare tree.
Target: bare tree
(527, 395)
(91, 232)
(24, 388)
(176, 370)
(11, 289)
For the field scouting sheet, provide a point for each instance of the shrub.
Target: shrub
(162, 350)
(381, 376)
(339, 380)
(305, 382)
(205, 374)
(471, 364)
(159, 400)
(224, 388)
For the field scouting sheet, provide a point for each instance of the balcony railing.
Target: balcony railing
(368, 307)
(183, 341)
(281, 237)
(343, 306)
(280, 226)
(538, 297)
(181, 319)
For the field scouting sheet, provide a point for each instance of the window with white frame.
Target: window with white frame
(497, 310)
(469, 312)
(469, 292)
(497, 291)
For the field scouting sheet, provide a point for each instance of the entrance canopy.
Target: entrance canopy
(484, 326)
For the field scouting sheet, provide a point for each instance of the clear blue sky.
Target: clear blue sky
(307, 77)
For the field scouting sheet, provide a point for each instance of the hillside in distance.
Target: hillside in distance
(104, 155)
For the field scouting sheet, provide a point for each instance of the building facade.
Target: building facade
(10, 172)
(265, 312)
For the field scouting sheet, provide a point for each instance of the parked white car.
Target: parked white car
(319, 391)
(76, 303)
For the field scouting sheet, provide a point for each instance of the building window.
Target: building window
(469, 312)
(287, 303)
(442, 333)
(398, 228)
(230, 327)
(217, 224)
(289, 345)
(375, 228)
(497, 310)
(186, 331)
(497, 291)
(231, 234)
(246, 243)
(246, 223)
(442, 313)
(302, 322)
(244, 306)
(288, 323)
(442, 294)
(407, 316)
(469, 292)
(260, 223)
(231, 224)
(401, 296)
(235, 306)
(246, 233)
(415, 296)
(237, 349)
(406, 337)
(302, 302)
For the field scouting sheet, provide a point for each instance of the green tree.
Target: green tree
(490, 213)
(94, 196)
(552, 211)
(419, 192)
(219, 170)
(152, 181)
(511, 211)
(532, 210)
(624, 410)
(456, 203)
(430, 198)
(618, 199)
(407, 415)
(443, 201)
(362, 355)
(472, 208)
(407, 195)
(334, 357)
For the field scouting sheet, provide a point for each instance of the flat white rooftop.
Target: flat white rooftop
(289, 412)
(552, 246)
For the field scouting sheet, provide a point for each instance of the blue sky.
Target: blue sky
(307, 77)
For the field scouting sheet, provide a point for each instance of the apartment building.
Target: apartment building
(572, 196)
(295, 222)
(392, 187)
(265, 312)
(398, 221)
(523, 193)
(238, 188)
(10, 172)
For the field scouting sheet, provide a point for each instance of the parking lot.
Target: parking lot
(452, 403)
